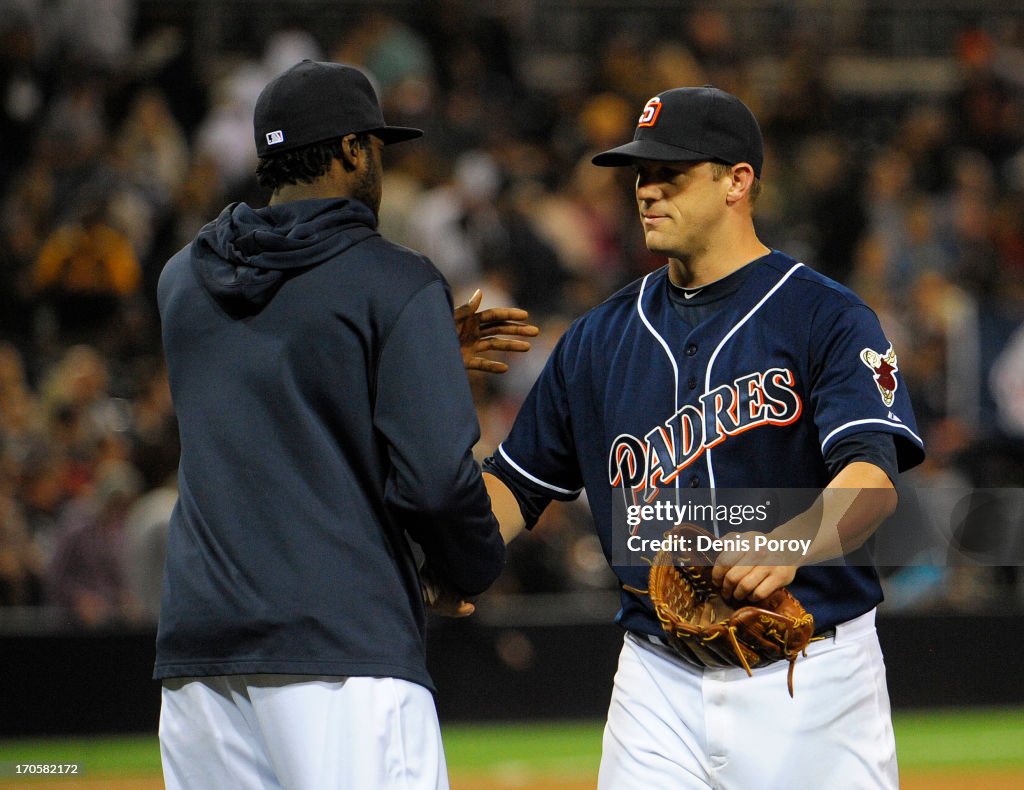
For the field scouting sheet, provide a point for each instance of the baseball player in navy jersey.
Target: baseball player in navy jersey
(732, 367)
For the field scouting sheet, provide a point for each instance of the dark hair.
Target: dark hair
(301, 165)
(720, 169)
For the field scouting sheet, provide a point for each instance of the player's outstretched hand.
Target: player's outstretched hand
(440, 598)
(754, 574)
(493, 329)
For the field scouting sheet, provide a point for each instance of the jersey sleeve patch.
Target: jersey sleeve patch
(883, 369)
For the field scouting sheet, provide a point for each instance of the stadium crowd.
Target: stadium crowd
(121, 140)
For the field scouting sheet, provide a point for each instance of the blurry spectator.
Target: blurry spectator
(201, 196)
(286, 47)
(21, 563)
(456, 220)
(96, 33)
(623, 66)
(166, 58)
(29, 208)
(88, 575)
(591, 227)
(20, 419)
(404, 178)
(603, 119)
(711, 37)
(1007, 379)
(43, 490)
(968, 211)
(23, 87)
(943, 362)
(74, 134)
(145, 537)
(224, 137)
(1008, 238)
(671, 64)
(391, 51)
(922, 246)
(827, 217)
(154, 428)
(152, 149)
(924, 135)
(887, 190)
(85, 271)
(989, 106)
(524, 262)
(87, 424)
(802, 104)
(26, 216)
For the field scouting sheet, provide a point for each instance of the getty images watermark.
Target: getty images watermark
(937, 527)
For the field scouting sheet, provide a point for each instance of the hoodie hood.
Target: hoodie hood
(245, 255)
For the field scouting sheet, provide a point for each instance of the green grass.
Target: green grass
(966, 739)
(556, 749)
(134, 755)
(989, 738)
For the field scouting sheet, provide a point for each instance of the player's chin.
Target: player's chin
(657, 243)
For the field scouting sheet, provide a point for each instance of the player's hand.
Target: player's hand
(441, 599)
(754, 574)
(493, 329)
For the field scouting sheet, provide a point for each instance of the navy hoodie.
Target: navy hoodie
(324, 416)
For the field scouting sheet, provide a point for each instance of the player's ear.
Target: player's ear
(741, 181)
(351, 152)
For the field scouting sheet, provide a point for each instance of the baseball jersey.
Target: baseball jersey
(752, 397)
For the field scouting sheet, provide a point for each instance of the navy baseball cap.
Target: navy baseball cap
(689, 125)
(314, 101)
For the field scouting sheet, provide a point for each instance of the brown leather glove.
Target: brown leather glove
(703, 626)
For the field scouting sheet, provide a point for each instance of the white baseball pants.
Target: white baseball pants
(300, 732)
(674, 725)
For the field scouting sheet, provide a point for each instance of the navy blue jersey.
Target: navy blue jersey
(752, 397)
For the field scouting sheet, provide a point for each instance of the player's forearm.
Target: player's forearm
(505, 508)
(846, 514)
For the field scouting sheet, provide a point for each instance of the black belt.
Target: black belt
(694, 660)
(826, 633)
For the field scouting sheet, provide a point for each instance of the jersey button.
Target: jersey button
(691, 349)
(694, 482)
(692, 382)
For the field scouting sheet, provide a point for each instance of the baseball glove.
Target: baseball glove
(701, 625)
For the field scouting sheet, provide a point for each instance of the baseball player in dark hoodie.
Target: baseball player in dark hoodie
(325, 416)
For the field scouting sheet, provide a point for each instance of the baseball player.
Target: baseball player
(325, 417)
(732, 367)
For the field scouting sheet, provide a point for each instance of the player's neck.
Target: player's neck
(336, 183)
(698, 271)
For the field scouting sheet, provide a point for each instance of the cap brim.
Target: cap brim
(625, 155)
(396, 134)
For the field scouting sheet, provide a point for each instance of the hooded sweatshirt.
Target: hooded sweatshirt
(324, 416)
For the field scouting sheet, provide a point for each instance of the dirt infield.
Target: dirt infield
(957, 780)
(918, 781)
(924, 780)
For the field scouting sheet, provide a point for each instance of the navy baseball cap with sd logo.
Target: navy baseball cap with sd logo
(314, 101)
(690, 125)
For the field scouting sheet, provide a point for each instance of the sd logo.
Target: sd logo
(651, 111)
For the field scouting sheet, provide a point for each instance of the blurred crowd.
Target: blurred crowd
(121, 138)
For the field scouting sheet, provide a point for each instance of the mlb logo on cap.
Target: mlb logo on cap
(317, 102)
